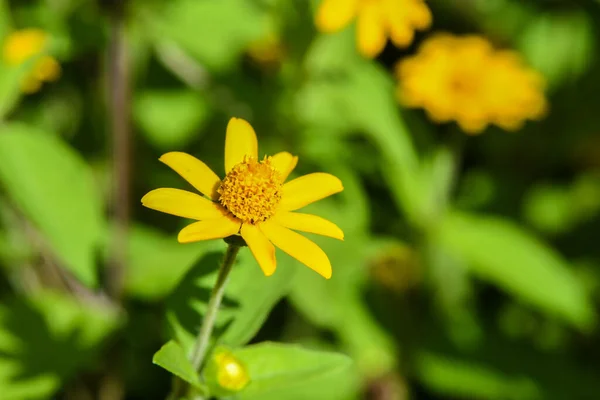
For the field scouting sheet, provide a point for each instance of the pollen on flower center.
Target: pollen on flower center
(251, 191)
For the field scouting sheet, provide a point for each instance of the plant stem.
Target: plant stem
(214, 303)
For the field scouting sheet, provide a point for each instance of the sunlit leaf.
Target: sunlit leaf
(172, 357)
(50, 183)
(289, 371)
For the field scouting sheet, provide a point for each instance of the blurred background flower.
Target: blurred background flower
(469, 268)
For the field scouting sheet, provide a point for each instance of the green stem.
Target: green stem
(213, 306)
(208, 323)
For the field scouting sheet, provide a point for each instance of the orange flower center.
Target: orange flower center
(251, 191)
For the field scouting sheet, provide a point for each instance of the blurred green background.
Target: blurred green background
(471, 274)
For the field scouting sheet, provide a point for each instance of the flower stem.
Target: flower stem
(214, 303)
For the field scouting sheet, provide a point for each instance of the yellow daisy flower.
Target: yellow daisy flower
(466, 80)
(252, 200)
(22, 45)
(376, 21)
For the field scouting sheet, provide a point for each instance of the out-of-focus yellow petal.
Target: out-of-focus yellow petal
(370, 30)
(307, 189)
(285, 163)
(308, 223)
(333, 15)
(210, 229)
(299, 247)
(183, 204)
(198, 174)
(240, 141)
(262, 250)
(47, 69)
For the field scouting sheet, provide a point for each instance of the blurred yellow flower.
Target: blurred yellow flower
(22, 45)
(376, 21)
(267, 51)
(466, 80)
(252, 200)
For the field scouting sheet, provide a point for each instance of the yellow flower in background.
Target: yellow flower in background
(252, 200)
(464, 79)
(22, 45)
(376, 21)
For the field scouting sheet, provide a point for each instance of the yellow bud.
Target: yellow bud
(226, 374)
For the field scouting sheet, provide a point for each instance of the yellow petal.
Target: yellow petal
(285, 163)
(307, 189)
(210, 229)
(308, 223)
(198, 174)
(371, 30)
(299, 247)
(261, 248)
(240, 141)
(183, 204)
(333, 15)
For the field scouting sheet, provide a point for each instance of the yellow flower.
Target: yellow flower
(22, 45)
(252, 200)
(466, 80)
(376, 21)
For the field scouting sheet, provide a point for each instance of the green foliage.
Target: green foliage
(248, 298)
(48, 339)
(173, 358)
(292, 372)
(170, 119)
(64, 205)
(502, 253)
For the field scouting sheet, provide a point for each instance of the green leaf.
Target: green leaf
(502, 253)
(338, 303)
(249, 297)
(280, 371)
(156, 262)
(559, 45)
(170, 118)
(214, 32)
(54, 188)
(46, 340)
(172, 357)
(342, 83)
(458, 378)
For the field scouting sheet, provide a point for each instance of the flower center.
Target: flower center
(251, 191)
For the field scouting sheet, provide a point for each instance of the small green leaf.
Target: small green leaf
(500, 252)
(170, 118)
(172, 357)
(277, 368)
(54, 188)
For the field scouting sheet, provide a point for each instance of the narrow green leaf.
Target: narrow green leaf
(172, 357)
(54, 188)
(504, 254)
